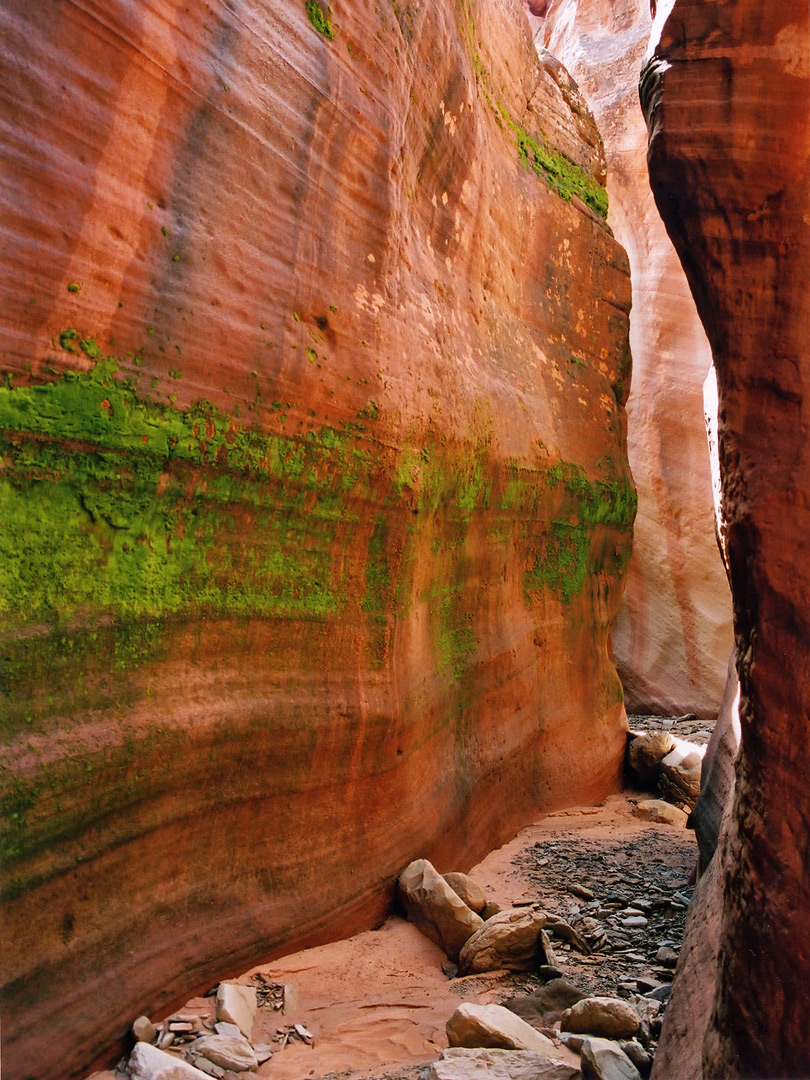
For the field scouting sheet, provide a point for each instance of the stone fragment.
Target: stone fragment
(147, 1062)
(228, 1051)
(494, 1026)
(206, 1066)
(222, 1027)
(645, 754)
(638, 1055)
(605, 1060)
(435, 909)
(236, 1004)
(462, 1063)
(143, 1030)
(634, 922)
(608, 1017)
(510, 940)
(545, 1006)
(666, 956)
(679, 780)
(660, 812)
(468, 890)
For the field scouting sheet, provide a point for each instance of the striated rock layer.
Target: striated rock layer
(727, 97)
(673, 632)
(315, 500)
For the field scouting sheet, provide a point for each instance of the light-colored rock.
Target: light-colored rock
(679, 778)
(510, 940)
(605, 1060)
(661, 813)
(646, 752)
(607, 1017)
(232, 1052)
(462, 1063)
(436, 909)
(470, 891)
(148, 1063)
(144, 1030)
(494, 1026)
(236, 1004)
(637, 1054)
(224, 1027)
(673, 633)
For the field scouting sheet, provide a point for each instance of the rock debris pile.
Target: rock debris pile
(188, 1047)
(659, 759)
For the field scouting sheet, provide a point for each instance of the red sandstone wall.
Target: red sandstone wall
(727, 98)
(315, 498)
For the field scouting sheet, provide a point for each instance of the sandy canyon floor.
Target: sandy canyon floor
(376, 1004)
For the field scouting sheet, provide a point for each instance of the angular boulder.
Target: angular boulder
(646, 752)
(511, 940)
(607, 1017)
(605, 1060)
(462, 1063)
(470, 892)
(436, 909)
(494, 1026)
(236, 1004)
(679, 778)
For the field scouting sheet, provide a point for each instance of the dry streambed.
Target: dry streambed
(613, 890)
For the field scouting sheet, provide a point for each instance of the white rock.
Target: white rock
(493, 1026)
(679, 779)
(460, 1063)
(146, 1062)
(605, 1060)
(236, 1004)
(232, 1052)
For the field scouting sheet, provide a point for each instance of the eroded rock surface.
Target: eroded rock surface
(315, 503)
(727, 98)
(673, 633)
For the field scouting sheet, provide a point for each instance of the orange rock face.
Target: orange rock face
(727, 100)
(673, 633)
(315, 501)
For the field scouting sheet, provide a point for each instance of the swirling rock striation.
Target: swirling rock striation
(315, 499)
(727, 98)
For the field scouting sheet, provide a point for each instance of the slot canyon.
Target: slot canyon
(360, 525)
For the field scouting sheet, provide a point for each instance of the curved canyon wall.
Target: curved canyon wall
(727, 98)
(673, 634)
(316, 506)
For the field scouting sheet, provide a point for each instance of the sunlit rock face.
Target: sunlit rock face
(673, 633)
(316, 506)
(727, 102)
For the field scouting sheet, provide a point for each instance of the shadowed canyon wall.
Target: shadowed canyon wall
(315, 499)
(727, 99)
(672, 635)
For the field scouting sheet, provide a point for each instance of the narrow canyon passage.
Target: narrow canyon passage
(318, 510)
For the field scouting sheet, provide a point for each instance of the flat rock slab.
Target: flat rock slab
(493, 1026)
(228, 1051)
(459, 1063)
(148, 1063)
